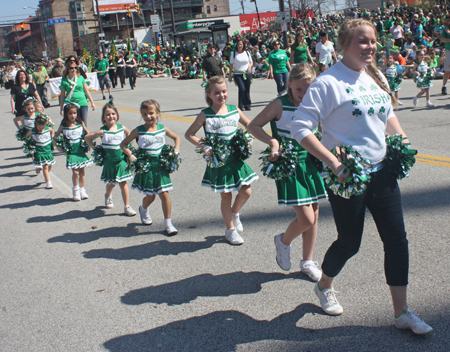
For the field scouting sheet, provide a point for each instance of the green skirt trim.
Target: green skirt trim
(115, 172)
(156, 181)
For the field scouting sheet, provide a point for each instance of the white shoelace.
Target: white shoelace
(413, 316)
(331, 297)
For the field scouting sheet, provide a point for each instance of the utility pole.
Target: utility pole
(100, 27)
(173, 21)
(242, 4)
(257, 12)
(281, 2)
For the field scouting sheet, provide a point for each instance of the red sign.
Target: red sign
(250, 21)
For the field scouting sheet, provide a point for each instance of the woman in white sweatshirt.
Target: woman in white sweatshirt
(351, 101)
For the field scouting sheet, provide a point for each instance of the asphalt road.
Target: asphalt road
(76, 276)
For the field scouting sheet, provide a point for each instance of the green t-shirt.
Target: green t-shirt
(101, 65)
(78, 95)
(300, 53)
(445, 35)
(278, 59)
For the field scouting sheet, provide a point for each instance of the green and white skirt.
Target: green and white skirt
(77, 159)
(230, 177)
(115, 172)
(156, 181)
(43, 157)
(304, 187)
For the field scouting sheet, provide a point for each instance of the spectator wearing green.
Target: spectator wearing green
(279, 67)
(75, 90)
(101, 66)
(300, 51)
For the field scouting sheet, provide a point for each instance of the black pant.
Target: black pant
(113, 77)
(121, 74)
(42, 91)
(244, 89)
(383, 199)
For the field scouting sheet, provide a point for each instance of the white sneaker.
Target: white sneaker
(109, 202)
(233, 237)
(145, 216)
(410, 320)
(328, 300)
(430, 105)
(49, 185)
(399, 103)
(415, 101)
(310, 268)
(83, 193)
(283, 253)
(76, 194)
(237, 223)
(129, 211)
(171, 230)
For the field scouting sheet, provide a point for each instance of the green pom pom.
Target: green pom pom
(21, 133)
(29, 147)
(220, 151)
(400, 157)
(169, 159)
(242, 144)
(285, 165)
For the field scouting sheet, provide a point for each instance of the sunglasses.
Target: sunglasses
(73, 68)
(71, 60)
(276, 43)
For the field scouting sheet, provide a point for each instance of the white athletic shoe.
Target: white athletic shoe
(310, 268)
(237, 223)
(83, 193)
(430, 105)
(76, 194)
(145, 216)
(283, 253)
(415, 101)
(109, 202)
(49, 185)
(233, 237)
(410, 320)
(171, 230)
(399, 103)
(328, 300)
(129, 211)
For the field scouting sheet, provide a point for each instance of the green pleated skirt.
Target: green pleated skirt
(156, 181)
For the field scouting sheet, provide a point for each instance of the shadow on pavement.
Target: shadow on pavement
(94, 235)
(73, 214)
(20, 188)
(16, 174)
(153, 249)
(42, 202)
(14, 165)
(9, 149)
(205, 285)
(229, 330)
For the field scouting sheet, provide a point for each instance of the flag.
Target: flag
(129, 46)
(113, 53)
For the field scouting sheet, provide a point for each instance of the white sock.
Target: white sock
(428, 101)
(75, 188)
(235, 215)
(167, 222)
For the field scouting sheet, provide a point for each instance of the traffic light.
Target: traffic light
(22, 26)
(128, 11)
(138, 8)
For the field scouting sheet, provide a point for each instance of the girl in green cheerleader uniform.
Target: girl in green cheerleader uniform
(422, 78)
(151, 137)
(114, 166)
(223, 120)
(303, 190)
(27, 121)
(43, 157)
(393, 77)
(73, 129)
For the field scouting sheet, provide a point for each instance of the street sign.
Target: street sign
(283, 17)
(44, 53)
(156, 28)
(154, 19)
(57, 20)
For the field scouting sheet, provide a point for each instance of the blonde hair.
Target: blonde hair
(345, 36)
(302, 71)
(210, 85)
(109, 106)
(146, 104)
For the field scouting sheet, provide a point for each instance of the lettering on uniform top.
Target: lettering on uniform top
(40, 138)
(375, 99)
(149, 140)
(74, 133)
(113, 137)
(215, 125)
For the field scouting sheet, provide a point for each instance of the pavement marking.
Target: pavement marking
(421, 158)
(60, 185)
